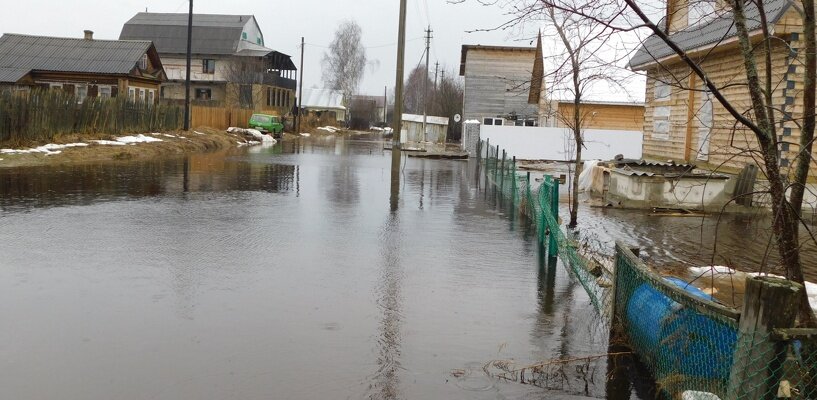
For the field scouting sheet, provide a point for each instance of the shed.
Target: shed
(436, 129)
(324, 100)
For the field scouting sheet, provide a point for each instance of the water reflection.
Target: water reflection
(385, 382)
(85, 184)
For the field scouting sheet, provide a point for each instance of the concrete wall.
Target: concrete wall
(538, 143)
(691, 193)
(413, 132)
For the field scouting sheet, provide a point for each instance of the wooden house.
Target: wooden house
(230, 63)
(603, 115)
(85, 67)
(683, 121)
(498, 84)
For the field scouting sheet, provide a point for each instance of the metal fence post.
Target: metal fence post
(769, 304)
(553, 247)
(502, 174)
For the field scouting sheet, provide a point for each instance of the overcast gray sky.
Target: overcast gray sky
(283, 24)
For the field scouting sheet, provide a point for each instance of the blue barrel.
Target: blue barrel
(677, 339)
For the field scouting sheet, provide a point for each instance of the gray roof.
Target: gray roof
(708, 33)
(21, 54)
(212, 34)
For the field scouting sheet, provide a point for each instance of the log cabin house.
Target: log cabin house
(85, 67)
(683, 121)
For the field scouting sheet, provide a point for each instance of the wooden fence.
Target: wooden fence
(220, 117)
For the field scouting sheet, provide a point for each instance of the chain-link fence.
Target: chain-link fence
(695, 347)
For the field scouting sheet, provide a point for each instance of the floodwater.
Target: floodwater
(279, 273)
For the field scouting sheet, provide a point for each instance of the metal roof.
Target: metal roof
(706, 34)
(323, 99)
(212, 34)
(21, 54)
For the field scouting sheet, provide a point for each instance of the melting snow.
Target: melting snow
(254, 133)
(811, 288)
(48, 149)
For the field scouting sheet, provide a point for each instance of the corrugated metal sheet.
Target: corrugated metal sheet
(212, 34)
(323, 99)
(20, 54)
(709, 33)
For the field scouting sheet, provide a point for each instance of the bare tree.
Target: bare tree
(345, 62)
(413, 92)
(448, 101)
(585, 59)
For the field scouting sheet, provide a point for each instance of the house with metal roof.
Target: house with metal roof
(86, 67)
(682, 120)
(319, 101)
(230, 61)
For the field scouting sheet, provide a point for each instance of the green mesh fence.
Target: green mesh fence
(689, 342)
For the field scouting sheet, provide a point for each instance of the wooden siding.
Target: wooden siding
(727, 141)
(219, 117)
(625, 117)
(497, 82)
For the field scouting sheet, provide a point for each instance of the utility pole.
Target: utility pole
(425, 83)
(187, 77)
(301, 90)
(398, 109)
(385, 105)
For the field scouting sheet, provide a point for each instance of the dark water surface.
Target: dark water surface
(275, 273)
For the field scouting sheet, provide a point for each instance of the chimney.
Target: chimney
(89, 35)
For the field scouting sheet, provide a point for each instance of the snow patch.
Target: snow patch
(108, 143)
(811, 287)
(198, 133)
(48, 149)
(254, 133)
(472, 122)
(330, 129)
(137, 139)
(306, 134)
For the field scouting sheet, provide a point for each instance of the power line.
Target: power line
(367, 47)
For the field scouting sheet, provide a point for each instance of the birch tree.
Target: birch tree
(344, 63)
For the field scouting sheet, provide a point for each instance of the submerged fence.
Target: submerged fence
(695, 347)
(43, 114)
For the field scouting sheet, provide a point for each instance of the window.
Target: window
(141, 95)
(244, 35)
(132, 94)
(162, 92)
(151, 96)
(258, 41)
(105, 92)
(661, 123)
(488, 121)
(143, 65)
(81, 93)
(208, 66)
(662, 91)
(204, 94)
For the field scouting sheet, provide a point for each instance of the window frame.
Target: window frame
(208, 66)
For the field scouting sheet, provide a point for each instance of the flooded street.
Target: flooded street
(275, 273)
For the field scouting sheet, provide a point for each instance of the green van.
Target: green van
(267, 123)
